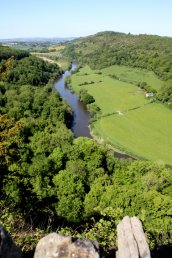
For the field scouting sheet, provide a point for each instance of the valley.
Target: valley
(54, 178)
(127, 121)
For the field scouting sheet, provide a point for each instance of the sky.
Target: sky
(74, 18)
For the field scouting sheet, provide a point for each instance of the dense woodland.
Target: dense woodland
(149, 52)
(51, 181)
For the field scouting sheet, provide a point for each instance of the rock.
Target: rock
(127, 246)
(131, 239)
(8, 249)
(140, 237)
(55, 245)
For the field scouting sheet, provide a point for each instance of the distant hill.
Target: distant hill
(37, 39)
(108, 48)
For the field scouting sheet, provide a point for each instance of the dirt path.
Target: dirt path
(49, 60)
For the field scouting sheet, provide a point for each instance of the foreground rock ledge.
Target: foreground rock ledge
(131, 239)
(55, 245)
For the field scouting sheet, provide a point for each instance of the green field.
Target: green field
(142, 129)
(144, 132)
(134, 75)
(110, 95)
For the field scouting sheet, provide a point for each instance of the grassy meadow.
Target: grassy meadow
(111, 95)
(134, 75)
(144, 132)
(143, 129)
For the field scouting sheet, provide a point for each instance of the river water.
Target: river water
(81, 116)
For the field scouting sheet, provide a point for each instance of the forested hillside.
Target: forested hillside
(149, 52)
(51, 181)
(6, 52)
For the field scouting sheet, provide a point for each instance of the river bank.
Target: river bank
(118, 153)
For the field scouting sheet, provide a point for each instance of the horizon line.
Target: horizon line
(73, 37)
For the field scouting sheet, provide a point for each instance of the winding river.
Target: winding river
(81, 116)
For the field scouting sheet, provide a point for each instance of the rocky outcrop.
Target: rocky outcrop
(7, 247)
(131, 239)
(130, 235)
(58, 246)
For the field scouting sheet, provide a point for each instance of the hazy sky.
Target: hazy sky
(64, 18)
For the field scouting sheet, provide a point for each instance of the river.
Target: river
(81, 116)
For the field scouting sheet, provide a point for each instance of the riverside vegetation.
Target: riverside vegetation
(51, 181)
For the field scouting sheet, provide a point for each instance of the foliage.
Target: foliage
(31, 70)
(6, 52)
(70, 193)
(94, 110)
(85, 97)
(165, 94)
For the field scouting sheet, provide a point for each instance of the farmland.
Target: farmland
(139, 132)
(54, 55)
(134, 75)
(129, 121)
